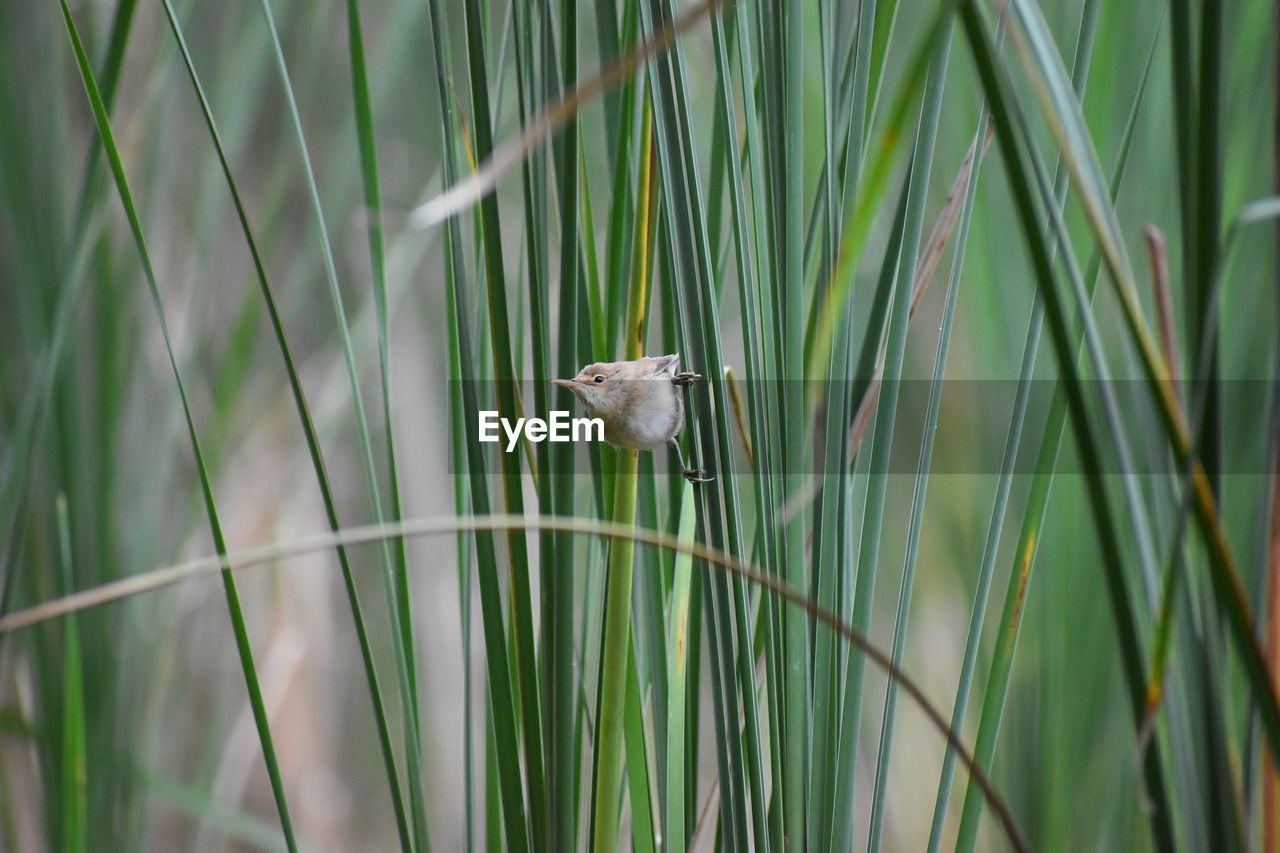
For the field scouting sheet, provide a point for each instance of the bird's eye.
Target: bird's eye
(599, 378)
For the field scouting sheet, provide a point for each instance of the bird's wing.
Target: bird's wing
(665, 364)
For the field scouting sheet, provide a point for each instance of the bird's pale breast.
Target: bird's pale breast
(652, 412)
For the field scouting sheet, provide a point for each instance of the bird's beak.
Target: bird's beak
(563, 383)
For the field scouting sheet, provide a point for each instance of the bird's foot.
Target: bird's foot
(685, 379)
(697, 475)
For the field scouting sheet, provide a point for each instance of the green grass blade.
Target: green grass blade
(377, 256)
(558, 576)
(462, 505)
(615, 643)
(261, 720)
(75, 809)
(1022, 185)
(15, 468)
(1207, 173)
(556, 573)
(1065, 120)
(724, 563)
(766, 491)
(882, 439)
(644, 830)
(1028, 542)
(1084, 50)
(878, 803)
(678, 625)
(521, 608)
(504, 795)
(872, 184)
(797, 638)
(308, 427)
(395, 583)
(694, 332)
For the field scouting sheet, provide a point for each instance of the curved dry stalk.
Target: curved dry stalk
(144, 582)
(511, 153)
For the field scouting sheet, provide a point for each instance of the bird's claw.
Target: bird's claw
(697, 475)
(685, 379)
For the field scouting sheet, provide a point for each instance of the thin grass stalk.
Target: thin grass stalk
(504, 791)
(239, 629)
(693, 703)
(645, 835)
(1203, 349)
(872, 185)
(1029, 536)
(589, 260)
(1225, 814)
(520, 600)
(1065, 121)
(530, 93)
(882, 440)
(74, 770)
(863, 61)
(16, 467)
(756, 267)
(797, 640)
(731, 825)
(621, 209)
(616, 633)
(835, 539)
(308, 427)
(830, 539)
(377, 257)
(764, 423)
(696, 315)
(138, 583)
(494, 166)
(878, 803)
(461, 499)
(1021, 186)
(697, 630)
(615, 644)
(1270, 796)
(1185, 98)
(493, 813)
(886, 19)
(735, 602)
(464, 487)
(678, 625)
(558, 575)
(1207, 172)
(653, 587)
(728, 598)
(828, 653)
(610, 42)
(394, 580)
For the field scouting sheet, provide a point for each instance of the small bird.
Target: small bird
(639, 402)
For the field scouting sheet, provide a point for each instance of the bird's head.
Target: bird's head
(595, 385)
(607, 387)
